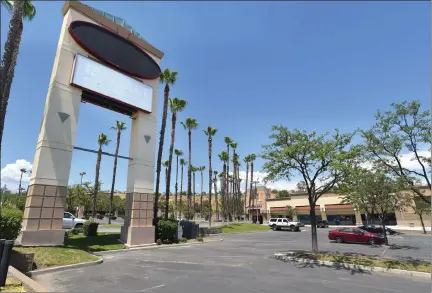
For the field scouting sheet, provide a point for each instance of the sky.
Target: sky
(242, 67)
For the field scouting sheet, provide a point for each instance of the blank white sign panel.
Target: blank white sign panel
(96, 77)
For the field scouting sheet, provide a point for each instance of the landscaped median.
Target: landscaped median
(243, 228)
(13, 285)
(360, 262)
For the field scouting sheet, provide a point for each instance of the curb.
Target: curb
(63, 268)
(284, 257)
(151, 246)
(28, 283)
(235, 233)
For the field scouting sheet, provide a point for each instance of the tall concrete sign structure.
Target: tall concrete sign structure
(100, 60)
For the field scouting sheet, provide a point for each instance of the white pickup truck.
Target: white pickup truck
(283, 223)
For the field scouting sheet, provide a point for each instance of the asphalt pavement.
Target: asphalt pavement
(235, 262)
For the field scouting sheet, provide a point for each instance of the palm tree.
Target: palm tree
(228, 142)
(178, 154)
(247, 161)
(252, 158)
(190, 124)
(216, 194)
(235, 160)
(223, 156)
(183, 163)
(23, 170)
(167, 77)
(201, 169)
(176, 105)
(82, 174)
(194, 170)
(20, 10)
(210, 132)
(233, 145)
(119, 127)
(102, 141)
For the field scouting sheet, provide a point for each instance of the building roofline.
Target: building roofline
(118, 29)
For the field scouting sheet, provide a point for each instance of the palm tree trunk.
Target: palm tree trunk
(9, 60)
(96, 186)
(251, 186)
(176, 188)
(19, 187)
(171, 150)
(210, 178)
(181, 191)
(189, 174)
(114, 175)
(246, 189)
(216, 197)
(201, 196)
(194, 194)
(160, 151)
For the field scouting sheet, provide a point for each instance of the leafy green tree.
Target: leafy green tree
(405, 128)
(283, 194)
(290, 212)
(318, 159)
(374, 190)
(301, 186)
(421, 209)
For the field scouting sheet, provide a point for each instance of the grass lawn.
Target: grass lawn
(12, 286)
(75, 250)
(243, 227)
(110, 226)
(370, 261)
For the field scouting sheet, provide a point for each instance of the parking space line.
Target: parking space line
(151, 288)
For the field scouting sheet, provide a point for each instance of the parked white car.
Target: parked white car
(284, 223)
(69, 221)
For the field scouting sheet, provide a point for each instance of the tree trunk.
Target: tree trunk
(384, 229)
(181, 192)
(171, 150)
(194, 194)
(210, 178)
(216, 197)
(176, 189)
(190, 173)
(422, 222)
(114, 175)
(201, 196)
(9, 60)
(96, 186)
(313, 228)
(246, 189)
(160, 152)
(251, 186)
(227, 195)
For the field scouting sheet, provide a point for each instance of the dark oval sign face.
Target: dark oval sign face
(114, 50)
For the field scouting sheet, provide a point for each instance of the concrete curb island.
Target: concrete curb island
(286, 257)
(67, 267)
(28, 283)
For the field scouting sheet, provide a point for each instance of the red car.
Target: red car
(355, 235)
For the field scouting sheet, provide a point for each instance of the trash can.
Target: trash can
(190, 229)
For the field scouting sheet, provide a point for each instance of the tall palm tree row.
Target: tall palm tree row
(210, 132)
(223, 156)
(20, 10)
(168, 78)
(102, 141)
(176, 105)
(190, 124)
(228, 142)
(183, 163)
(119, 127)
(178, 154)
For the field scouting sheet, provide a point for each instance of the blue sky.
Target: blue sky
(243, 67)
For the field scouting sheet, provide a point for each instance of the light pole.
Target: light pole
(82, 174)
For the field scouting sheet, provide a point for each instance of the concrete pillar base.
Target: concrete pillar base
(132, 236)
(41, 238)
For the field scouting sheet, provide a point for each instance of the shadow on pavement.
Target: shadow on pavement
(402, 247)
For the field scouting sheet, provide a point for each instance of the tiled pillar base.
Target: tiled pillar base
(43, 216)
(138, 228)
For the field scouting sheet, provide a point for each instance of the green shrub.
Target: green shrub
(183, 240)
(10, 223)
(200, 239)
(159, 242)
(167, 230)
(167, 241)
(76, 231)
(90, 228)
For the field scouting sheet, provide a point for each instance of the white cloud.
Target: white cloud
(10, 174)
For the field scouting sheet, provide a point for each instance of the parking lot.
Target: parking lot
(240, 263)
